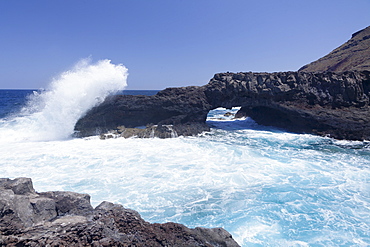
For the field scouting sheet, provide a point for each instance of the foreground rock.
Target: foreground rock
(56, 218)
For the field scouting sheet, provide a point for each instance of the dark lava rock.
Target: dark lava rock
(57, 218)
(183, 108)
(352, 55)
(328, 104)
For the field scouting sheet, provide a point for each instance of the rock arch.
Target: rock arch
(335, 104)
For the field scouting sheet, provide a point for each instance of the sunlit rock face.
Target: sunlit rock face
(352, 55)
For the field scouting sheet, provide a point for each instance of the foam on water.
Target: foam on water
(267, 188)
(52, 114)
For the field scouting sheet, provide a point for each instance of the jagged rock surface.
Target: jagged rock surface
(334, 104)
(353, 55)
(28, 218)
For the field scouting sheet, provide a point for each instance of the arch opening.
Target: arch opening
(230, 119)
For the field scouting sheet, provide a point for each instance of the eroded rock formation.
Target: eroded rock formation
(57, 218)
(334, 104)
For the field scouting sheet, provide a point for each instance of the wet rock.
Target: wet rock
(228, 114)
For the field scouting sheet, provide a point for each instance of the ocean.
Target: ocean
(267, 187)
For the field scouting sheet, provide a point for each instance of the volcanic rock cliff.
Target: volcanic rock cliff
(57, 218)
(334, 104)
(174, 110)
(319, 101)
(328, 104)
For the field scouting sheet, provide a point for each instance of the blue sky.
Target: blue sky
(170, 43)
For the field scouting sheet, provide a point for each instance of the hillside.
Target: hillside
(352, 55)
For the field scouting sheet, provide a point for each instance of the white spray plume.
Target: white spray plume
(52, 114)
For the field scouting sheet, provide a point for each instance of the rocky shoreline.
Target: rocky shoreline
(60, 218)
(327, 104)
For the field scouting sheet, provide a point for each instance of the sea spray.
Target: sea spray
(52, 114)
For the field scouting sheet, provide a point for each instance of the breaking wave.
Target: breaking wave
(52, 114)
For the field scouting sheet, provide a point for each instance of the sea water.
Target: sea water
(265, 186)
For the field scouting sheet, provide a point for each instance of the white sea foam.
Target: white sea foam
(52, 114)
(265, 186)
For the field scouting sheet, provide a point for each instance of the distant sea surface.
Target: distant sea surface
(265, 186)
(11, 100)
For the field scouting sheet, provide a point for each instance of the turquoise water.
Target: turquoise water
(265, 186)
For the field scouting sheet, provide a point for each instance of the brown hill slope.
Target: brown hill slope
(352, 55)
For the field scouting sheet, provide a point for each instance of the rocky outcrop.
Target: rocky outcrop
(333, 104)
(353, 55)
(28, 218)
(172, 112)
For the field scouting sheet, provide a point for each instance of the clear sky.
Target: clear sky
(170, 43)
